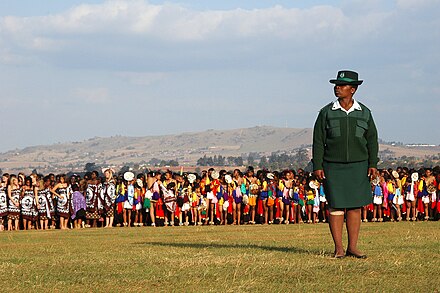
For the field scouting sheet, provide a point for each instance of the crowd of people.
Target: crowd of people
(213, 197)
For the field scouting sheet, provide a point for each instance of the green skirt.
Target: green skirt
(347, 184)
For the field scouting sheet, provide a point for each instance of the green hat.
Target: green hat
(346, 77)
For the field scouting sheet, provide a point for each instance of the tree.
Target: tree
(202, 161)
(124, 169)
(263, 162)
(239, 161)
(221, 160)
(250, 160)
(89, 167)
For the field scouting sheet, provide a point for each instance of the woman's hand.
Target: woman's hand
(372, 172)
(319, 174)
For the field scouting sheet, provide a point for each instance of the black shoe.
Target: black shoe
(361, 256)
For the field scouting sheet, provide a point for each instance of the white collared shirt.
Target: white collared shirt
(355, 106)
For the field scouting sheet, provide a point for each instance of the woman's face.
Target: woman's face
(343, 91)
(47, 183)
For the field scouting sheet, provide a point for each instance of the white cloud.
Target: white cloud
(93, 95)
(173, 22)
(141, 78)
(132, 51)
(417, 4)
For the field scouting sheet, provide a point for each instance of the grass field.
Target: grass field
(295, 258)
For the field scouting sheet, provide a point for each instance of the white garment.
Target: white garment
(355, 106)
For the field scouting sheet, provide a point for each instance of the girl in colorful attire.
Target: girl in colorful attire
(411, 192)
(121, 188)
(139, 195)
(195, 205)
(262, 199)
(322, 203)
(78, 204)
(109, 195)
(429, 188)
(398, 199)
(271, 197)
(223, 197)
(237, 194)
(14, 194)
(310, 200)
(377, 200)
(391, 188)
(168, 179)
(315, 185)
(286, 189)
(129, 198)
(63, 201)
(254, 191)
(153, 190)
(385, 207)
(3, 201)
(44, 209)
(28, 201)
(298, 202)
(93, 193)
(169, 198)
(211, 194)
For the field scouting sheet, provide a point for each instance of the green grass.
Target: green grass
(295, 258)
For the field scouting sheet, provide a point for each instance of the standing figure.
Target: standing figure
(44, 208)
(14, 193)
(109, 194)
(92, 199)
(63, 201)
(3, 201)
(28, 203)
(345, 154)
(129, 198)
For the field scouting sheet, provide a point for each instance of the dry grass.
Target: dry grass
(402, 256)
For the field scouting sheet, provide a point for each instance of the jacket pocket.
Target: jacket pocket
(333, 128)
(361, 128)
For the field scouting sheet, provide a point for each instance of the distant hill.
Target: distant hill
(186, 148)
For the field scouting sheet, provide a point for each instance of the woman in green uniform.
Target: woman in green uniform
(345, 154)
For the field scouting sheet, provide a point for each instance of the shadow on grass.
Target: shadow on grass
(295, 250)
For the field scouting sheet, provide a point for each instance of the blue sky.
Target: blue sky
(71, 70)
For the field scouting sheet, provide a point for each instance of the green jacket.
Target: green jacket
(344, 138)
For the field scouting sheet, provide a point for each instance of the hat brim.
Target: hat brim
(345, 82)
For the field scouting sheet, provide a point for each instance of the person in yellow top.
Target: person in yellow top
(253, 185)
(286, 188)
(390, 186)
(398, 195)
(238, 197)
